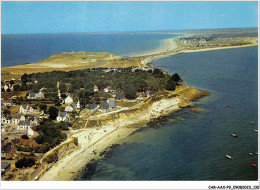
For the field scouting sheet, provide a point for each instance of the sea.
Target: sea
(20, 49)
(194, 148)
(191, 145)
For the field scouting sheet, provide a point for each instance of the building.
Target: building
(16, 119)
(28, 122)
(107, 105)
(104, 107)
(71, 107)
(68, 100)
(28, 142)
(78, 105)
(92, 107)
(26, 108)
(6, 119)
(62, 116)
(7, 102)
(5, 166)
(112, 104)
(108, 89)
(24, 125)
(95, 88)
(119, 96)
(147, 94)
(8, 151)
(38, 95)
(8, 86)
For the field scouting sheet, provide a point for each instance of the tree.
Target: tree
(43, 107)
(158, 73)
(24, 137)
(53, 112)
(24, 78)
(130, 92)
(176, 78)
(11, 82)
(170, 85)
(24, 163)
(16, 87)
(7, 112)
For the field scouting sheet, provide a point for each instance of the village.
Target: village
(24, 113)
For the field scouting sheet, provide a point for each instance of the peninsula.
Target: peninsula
(63, 112)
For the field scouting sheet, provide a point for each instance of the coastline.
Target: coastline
(171, 48)
(68, 168)
(112, 131)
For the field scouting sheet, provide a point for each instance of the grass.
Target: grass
(68, 62)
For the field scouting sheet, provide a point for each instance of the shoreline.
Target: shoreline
(173, 50)
(112, 131)
(106, 135)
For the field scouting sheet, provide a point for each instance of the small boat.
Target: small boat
(234, 135)
(256, 153)
(250, 154)
(228, 156)
(255, 130)
(252, 122)
(229, 106)
(254, 165)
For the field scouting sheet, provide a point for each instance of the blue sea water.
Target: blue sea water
(195, 148)
(18, 49)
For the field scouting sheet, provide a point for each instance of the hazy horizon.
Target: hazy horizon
(151, 31)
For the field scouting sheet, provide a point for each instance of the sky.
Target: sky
(116, 16)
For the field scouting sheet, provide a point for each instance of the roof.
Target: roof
(5, 165)
(16, 116)
(6, 148)
(25, 106)
(92, 106)
(104, 105)
(144, 94)
(72, 105)
(96, 87)
(15, 141)
(109, 87)
(7, 101)
(28, 142)
(111, 103)
(119, 96)
(31, 94)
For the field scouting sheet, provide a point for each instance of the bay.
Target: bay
(195, 148)
(18, 49)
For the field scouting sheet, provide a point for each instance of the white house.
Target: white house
(7, 102)
(22, 118)
(78, 105)
(8, 86)
(25, 108)
(30, 132)
(62, 116)
(38, 95)
(108, 89)
(16, 119)
(71, 107)
(95, 88)
(68, 100)
(23, 125)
